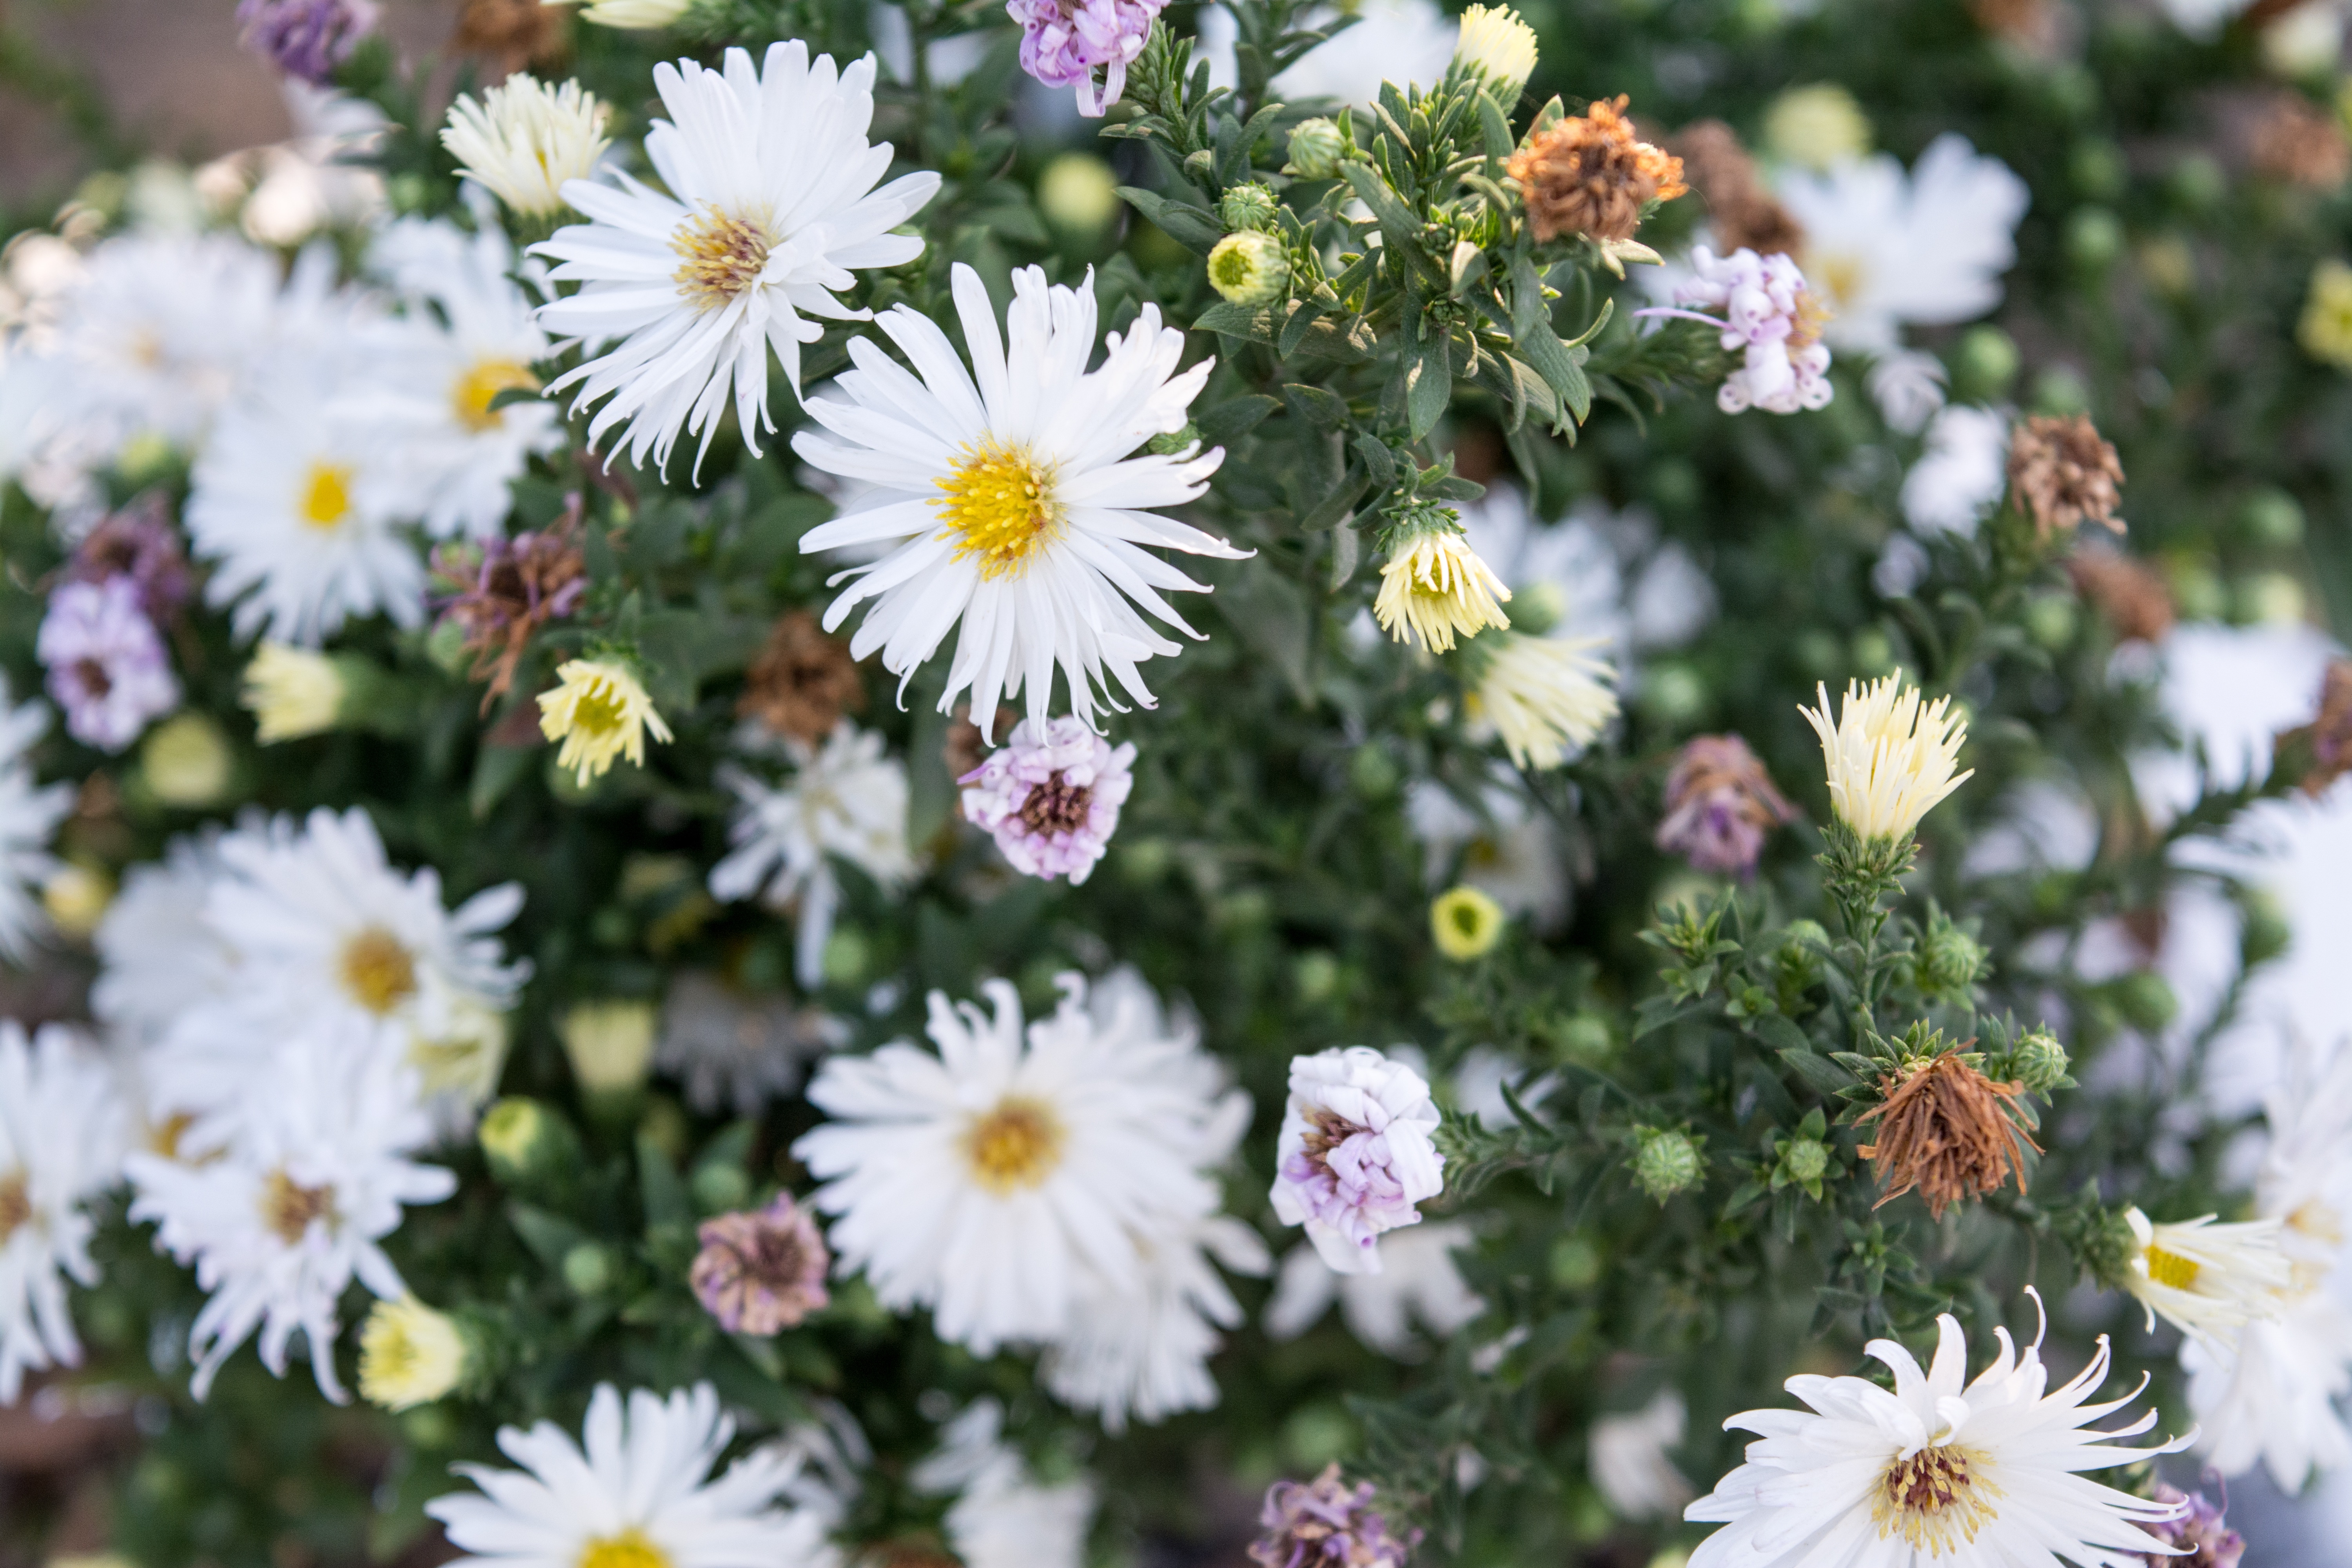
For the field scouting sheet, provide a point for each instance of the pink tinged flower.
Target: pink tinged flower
(138, 542)
(307, 38)
(761, 1272)
(1062, 42)
(1326, 1523)
(1355, 1157)
(2199, 1533)
(1720, 804)
(1768, 311)
(1050, 797)
(106, 667)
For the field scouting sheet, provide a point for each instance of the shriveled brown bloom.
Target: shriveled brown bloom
(802, 680)
(2062, 474)
(1590, 174)
(2031, 24)
(2295, 139)
(1743, 210)
(2127, 591)
(2329, 735)
(1946, 1130)
(509, 33)
(500, 595)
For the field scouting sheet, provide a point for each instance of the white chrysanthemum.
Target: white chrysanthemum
(281, 1221)
(1400, 41)
(635, 1492)
(771, 206)
(1020, 502)
(29, 815)
(1418, 1282)
(1547, 698)
(1354, 1159)
(738, 1051)
(61, 1130)
(846, 798)
(1506, 849)
(1890, 250)
(1989, 1472)
(158, 959)
(1963, 472)
(1627, 1456)
(1889, 755)
(631, 13)
(471, 334)
(2208, 1280)
(997, 1180)
(1003, 1516)
(1496, 45)
(526, 138)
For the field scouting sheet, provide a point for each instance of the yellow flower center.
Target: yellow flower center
(480, 387)
(630, 1549)
(1015, 1146)
(1841, 277)
(327, 494)
(288, 1206)
(599, 712)
(1936, 1501)
(15, 1205)
(999, 500)
(376, 971)
(2171, 1269)
(719, 258)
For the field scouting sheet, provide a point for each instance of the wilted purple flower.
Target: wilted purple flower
(1051, 800)
(138, 542)
(1062, 41)
(1326, 1524)
(1719, 805)
(2210, 1543)
(502, 592)
(760, 1271)
(106, 664)
(305, 38)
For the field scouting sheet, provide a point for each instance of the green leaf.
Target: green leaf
(1428, 383)
(657, 1184)
(1561, 367)
(1228, 320)
(1818, 1072)
(1379, 461)
(1304, 314)
(1231, 420)
(1466, 267)
(1400, 230)
(1195, 228)
(548, 1236)
(1775, 1031)
(1324, 410)
(1333, 509)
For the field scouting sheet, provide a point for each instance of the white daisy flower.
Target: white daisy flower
(635, 1492)
(1418, 1282)
(2208, 1280)
(1890, 250)
(845, 798)
(737, 1051)
(290, 1212)
(1962, 473)
(1021, 506)
(158, 957)
(29, 815)
(1003, 1516)
(771, 204)
(471, 335)
(60, 1146)
(1989, 1472)
(998, 1181)
(1627, 1456)
(526, 138)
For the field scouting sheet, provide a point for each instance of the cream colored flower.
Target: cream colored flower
(291, 692)
(630, 13)
(1435, 587)
(611, 1043)
(1889, 759)
(2204, 1276)
(1496, 45)
(186, 762)
(409, 1354)
(600, 710)
(525, 138)
(1546, 697)
(1816, 126)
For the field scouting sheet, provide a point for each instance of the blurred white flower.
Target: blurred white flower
(1961, 474)
(1419, 1283)
(1003, 1516)
(29, 815)
(61, 1138)
(1627, 1456)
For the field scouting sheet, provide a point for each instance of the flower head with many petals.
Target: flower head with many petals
(1355, 1157)
(526, 139)
(1051, 797)
(29, 813)
(107, 666)
(60, 1135)
(1890, 754)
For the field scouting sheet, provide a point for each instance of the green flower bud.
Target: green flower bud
(524, 1139)
(1802, 943)
(2039, 1061)
(2145, 1000)
(1315, 148)
(1949, 961)
(1247, 207)
(1806, 1160)
(1666, 1163)
(1249, 269)
(589, 1269)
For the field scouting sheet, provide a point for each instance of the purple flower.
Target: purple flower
(1769, 310)
(763, 1271)
(106, 664)
(1053, 801)
(2198, 1527)
(1719, 805)
(1062, 42)
(138, 542)
(1326, 1524)
(1354, 1156)
(305, 38)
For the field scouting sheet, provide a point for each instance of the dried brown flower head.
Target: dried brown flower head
(1946, 1130)
(762, 1272)
(1743, 210)
(1590, 174)
(500, 595)
(2127, 591)
(2296, 140)
(2328, 736)
(802, 680)
(2061, 473)
(510, 33)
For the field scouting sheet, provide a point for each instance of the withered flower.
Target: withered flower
(2295, 140)
(1590, 174)
(2328, 736)
(2127, 591)
(802, 680)
(1740, 205)
(1720, 804)
(2061, 473)
(509, 33)
(503, 593)
(1946, 1130)
(138, 542)
(761, 1272)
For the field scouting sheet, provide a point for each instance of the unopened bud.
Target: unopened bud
(1805, 1158)
(524, 1139)
(2040, 1061)
(1249, 269)
(1251, 206)
(1315, 148)
(1949, 961)
(1665, 1162)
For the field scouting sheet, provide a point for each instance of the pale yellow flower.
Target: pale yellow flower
(1889, 758)
(1816, 126)
(76, 897)
(2326, 329)
(600, 710)
(409, 1354)
(1435, 587)
(630, 13)
(291, 692)
(185, 761)
(1465, 923)
(526, 138)
(1546, 697)
(459, 1050)
(2204, 1277)
(1496, 45)
(611, 1043)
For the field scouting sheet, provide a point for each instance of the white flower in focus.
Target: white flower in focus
(1020, 500)
(1498, 46)
(1354, 1158)
(845, 798)
(1627, 1456)
(1989, 1472)
(636, 1492)
(1418, 1282)
(526, 138)
(1889, 756)
(1963, 472)
(2208, 1280)
(1891, 250)
(737, 1051)
(771, 206)
(995, 1181)
(1002, 1517)
(61, 1130)
(29, 815)
(290, 1212)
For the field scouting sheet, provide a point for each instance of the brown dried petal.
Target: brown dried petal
(802, 681)
(2062, 474)
(513, 33)
(2295, 140)
(1949, 1131)
(1742, 209)
(2127, 591)
(1590, 174)
(2329, 734)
